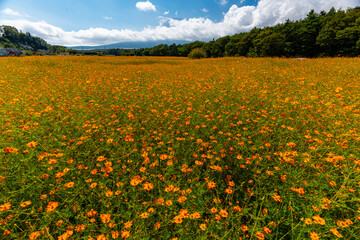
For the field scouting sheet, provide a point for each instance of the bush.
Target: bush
(197, 53)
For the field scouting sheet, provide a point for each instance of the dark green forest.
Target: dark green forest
(333, 33)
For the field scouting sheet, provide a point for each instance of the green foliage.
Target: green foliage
(11, 37)
(319, 34)
(197, 53)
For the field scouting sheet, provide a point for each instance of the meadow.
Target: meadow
(172, 148)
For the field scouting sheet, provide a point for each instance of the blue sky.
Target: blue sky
(98, 22)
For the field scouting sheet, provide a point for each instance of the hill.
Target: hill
(10, 37)
(130, 45)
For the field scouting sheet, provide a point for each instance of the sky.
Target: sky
(100, 22)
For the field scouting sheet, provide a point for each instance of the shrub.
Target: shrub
(197, 53)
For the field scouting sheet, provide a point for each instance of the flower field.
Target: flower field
(171, 148)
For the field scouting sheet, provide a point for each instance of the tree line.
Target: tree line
(333, 33)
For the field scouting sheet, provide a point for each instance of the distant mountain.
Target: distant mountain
(130, 45)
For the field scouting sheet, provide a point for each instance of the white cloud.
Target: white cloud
(205, 10)
(166, 12)
(236, 19)
(10, 12)
(145, 6)
(223, 2)
(107, 18)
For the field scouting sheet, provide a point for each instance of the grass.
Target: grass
(172, 148)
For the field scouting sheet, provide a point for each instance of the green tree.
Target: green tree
(197, 53)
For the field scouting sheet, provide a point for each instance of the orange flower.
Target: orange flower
(101, 237)
(203, 226)
(114, 234)
(51, 206)
(34, 235)
(128, 224)
(144, 215)
(26, 203)
(229, 190)
(148, 186)
(260, 235)
(10, 150)
(105, 218)
(210, 185)
(31, 144)
(182, 199)
(317, 219)
(125, 233)
(291, 144)
(178, 219)
(266, 230)
(314, 236)
(244, 228)
(91, 213)
(157, 225)
(237, 209)
(93, 172)
(223, 213)
(277, 198)
(336, 232)
(108, 194)
(79, 227)
(168, 203)
(195, 215)
(308, 221)
(101, 158)
(69, 184)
